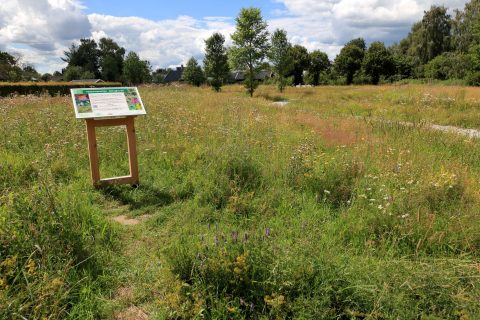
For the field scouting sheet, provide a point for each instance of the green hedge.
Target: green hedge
(52, 88)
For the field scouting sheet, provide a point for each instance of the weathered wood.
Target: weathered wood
(132, 149)
(92, 151)
(129, 123)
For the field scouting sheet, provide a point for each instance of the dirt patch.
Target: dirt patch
(132, 313)
(124, 294)
(471, 133)
(280, 103)
(336, 131)
(126, 221)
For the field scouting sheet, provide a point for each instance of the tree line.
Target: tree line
(440, 46)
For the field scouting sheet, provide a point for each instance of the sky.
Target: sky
(168, 33)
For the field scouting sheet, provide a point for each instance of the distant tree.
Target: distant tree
(403, 65)
(449, 65)
(216, 60)
(111, 57)
(86, 56)
(434, 34)
(73, 73)
(462, 25)
(350, 58)
(136, 71)
(378, 61)
(29, 73)
(87, 75)
(280, 57)
(250, 45)
(319, 63)
(9, 68)
(193, 73)
(359, 42)
(46, 77)
(159, 74)
(301, 62)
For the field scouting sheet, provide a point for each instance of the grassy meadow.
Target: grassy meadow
(325, 208)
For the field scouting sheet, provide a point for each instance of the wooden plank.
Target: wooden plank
(110, 122)
(116, 181)
(132, 149)
(92, 151)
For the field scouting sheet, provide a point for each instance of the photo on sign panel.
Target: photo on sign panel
(132, 100)
(83, 103)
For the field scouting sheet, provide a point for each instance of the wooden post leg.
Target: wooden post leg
(93, 152)
(132, 150)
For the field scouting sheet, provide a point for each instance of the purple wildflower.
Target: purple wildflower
(234, 236)
(216, 241)
(267, 232)
(252, 307)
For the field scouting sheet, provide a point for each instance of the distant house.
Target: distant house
(174, 75)
(239, 76)
(88, 81)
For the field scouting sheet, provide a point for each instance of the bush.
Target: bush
(473, 79)
(52, 88)
(448, 66)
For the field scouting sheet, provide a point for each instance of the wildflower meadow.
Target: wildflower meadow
(336, 203)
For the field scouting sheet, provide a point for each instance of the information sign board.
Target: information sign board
(107, 102)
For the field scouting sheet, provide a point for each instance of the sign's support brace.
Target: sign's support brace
(132, 179)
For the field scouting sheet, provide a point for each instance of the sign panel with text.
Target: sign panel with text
(107, 102)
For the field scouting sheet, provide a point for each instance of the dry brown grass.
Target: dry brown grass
(335, 132)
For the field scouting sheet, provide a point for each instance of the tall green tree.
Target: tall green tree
(462, 26)
(136, 71)
(216, 60)
(9, 68)
(350, 58)
(111, 57)
(378, 61)
(72, 73)
(434, 34)
(280, 57)
(319, 63)
(250, 45)
(193, 73)
(86, 55)
(29, 72)
(158, 75)
(301, 62)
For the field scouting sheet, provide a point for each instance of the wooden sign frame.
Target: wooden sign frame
(129, 123)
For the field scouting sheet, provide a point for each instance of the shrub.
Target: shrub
(473, 79)
(52, 88)
(448, 66)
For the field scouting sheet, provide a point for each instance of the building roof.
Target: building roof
(88, 80)
(174, 75)
(240, 75)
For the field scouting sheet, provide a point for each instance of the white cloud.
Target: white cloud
(165, 42)
(40, 30)
(328, 24)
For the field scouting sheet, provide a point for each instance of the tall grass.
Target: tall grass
(257, 211)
